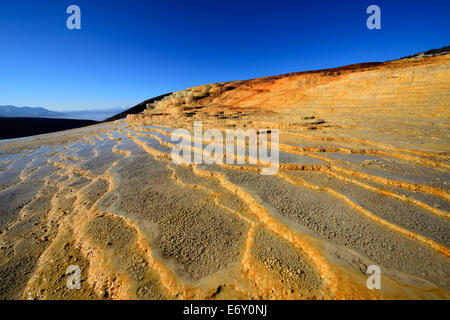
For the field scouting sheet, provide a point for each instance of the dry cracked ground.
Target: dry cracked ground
(363, 180)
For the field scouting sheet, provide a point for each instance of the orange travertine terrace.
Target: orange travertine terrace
(363, 180)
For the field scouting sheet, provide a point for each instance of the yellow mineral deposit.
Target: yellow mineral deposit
(362, 181)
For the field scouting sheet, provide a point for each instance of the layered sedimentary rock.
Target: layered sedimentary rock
(406, 101)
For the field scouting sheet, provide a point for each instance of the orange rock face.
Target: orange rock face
(404, 103)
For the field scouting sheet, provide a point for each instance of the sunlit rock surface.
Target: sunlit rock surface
(363, 180)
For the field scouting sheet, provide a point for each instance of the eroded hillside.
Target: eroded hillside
(406, 101)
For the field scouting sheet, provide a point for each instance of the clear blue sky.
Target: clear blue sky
(128, 51)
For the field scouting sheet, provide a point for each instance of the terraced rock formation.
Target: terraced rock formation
(363, 180)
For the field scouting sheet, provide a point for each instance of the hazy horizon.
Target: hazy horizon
(68, 110)
(99, 114)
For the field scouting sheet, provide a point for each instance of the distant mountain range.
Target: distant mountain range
(37, 112)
